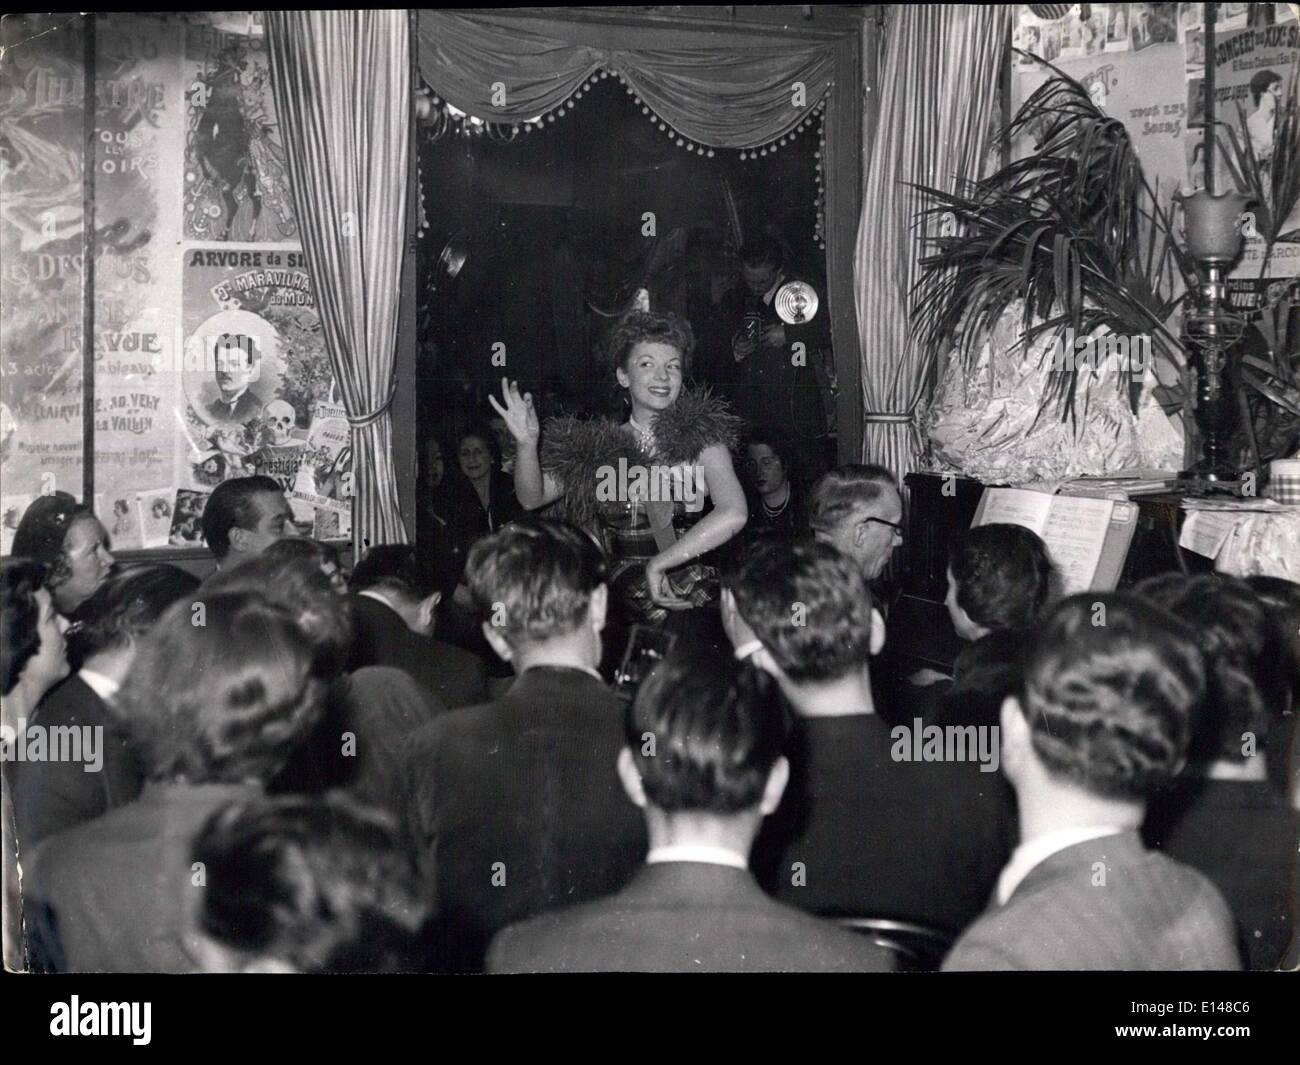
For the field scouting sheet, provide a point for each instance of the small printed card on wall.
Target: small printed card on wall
(155, 508)
(187, 514)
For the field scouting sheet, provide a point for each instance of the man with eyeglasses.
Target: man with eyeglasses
(858, 510)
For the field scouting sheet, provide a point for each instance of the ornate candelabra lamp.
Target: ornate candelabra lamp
(1214, 239)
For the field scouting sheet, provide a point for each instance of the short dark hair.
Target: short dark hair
(233, 505)
(763, 251)
(222, 689)
(319, 883)
(316, 552)
(660, 327)
(299, 586)
(1281, 598)
(394, 567)
(809, 605)
(1108, 689)
(845, 491)
(1242, 651)
(20, 614)
(717, 728)
(780, 443)
(127, 605)
(1003, 575)
(542, 572)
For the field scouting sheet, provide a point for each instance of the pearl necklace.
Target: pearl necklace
(776, 512)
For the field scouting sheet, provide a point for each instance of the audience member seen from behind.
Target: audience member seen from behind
(55, 794)
(325, 556)
(864, 830)
(299, 885)
(1099, 727)
(702, 759)
(1223, 816)
(33, 658)
(243, 517)
(394, 607)
(67, 537)
(999, 579)
(515, 805)
(1281, 598)
(110, 895)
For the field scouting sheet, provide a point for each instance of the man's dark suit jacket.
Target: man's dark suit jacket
(1149, 913)
(515, 807)
(1245, 838)
(55, 795)
(382, 638)
(860, 834)
(110, 895)
(679, 917)
(359, 744)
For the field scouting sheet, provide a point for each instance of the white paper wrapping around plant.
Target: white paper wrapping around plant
(1263, 543)
(980, 423)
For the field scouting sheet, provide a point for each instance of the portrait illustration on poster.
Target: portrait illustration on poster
(255, 365)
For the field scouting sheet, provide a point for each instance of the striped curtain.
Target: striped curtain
(938, 85)
(342, 83)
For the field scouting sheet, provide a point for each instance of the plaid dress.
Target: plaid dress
(578, 452)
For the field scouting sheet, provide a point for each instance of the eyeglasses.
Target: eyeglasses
(896, 526)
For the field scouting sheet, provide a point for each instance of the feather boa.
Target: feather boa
(573, 450)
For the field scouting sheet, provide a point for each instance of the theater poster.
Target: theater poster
(236, 180)
(255, 366)
(41, 259)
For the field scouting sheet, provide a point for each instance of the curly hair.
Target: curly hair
(20, 637)
(654, 327)
(1243, 651)
(809, 605)
(321, 884)
(297, 584)
(222, 689)
(1109, 689)
(44, 530)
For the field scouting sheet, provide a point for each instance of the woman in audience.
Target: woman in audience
(69, 539)
(55, 794)
(307, 886)
(222, 690)
(33, 658)
(777, 505)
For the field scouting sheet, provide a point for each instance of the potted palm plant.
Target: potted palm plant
(1073, 228)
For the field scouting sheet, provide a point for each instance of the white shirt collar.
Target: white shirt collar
(370, 593)
(1030, 855)
(565, 665)
(105, 687)
(697, 852)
